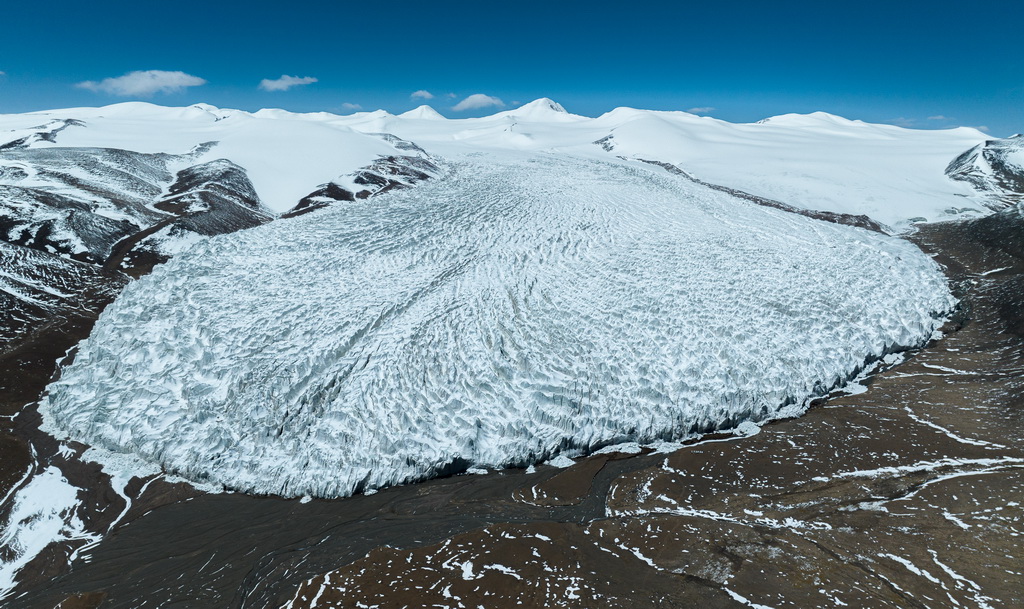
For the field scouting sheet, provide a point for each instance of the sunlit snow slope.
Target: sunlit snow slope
(518, 307)
(816, 161)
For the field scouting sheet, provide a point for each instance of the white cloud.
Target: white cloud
(450, 95)
(422, 94)
(285, 82)
(144, 83)
(701, 110)
(2, 73)
(939, 117)
(477, 101)
(982, 128)
(348, 106)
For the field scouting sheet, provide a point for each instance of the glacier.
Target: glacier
(520, 306)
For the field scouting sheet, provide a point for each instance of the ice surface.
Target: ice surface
(521, 307)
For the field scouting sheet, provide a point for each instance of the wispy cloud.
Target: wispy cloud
(477, 101)
(351, 107)
(285, 82)
(2, 73)
(939, 117)
(422, 94)
(144, 83)
(701, 110)
(982, 128)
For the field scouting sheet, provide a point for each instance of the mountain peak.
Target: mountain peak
(539, 110)
(422, 112)
(543, 104)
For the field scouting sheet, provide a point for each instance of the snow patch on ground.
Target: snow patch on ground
(43, 512)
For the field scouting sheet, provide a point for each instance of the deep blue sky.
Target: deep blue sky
(898, 62)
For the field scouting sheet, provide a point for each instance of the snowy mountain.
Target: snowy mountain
(518, 307)
(209, 199)
(539, 110)
(818, 161)
(285, 156)
(82, 202)
(423, 112)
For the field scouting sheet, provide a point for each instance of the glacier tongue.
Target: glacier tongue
(516, 308)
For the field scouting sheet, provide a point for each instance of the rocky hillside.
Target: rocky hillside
(72, 220)
(995, 167)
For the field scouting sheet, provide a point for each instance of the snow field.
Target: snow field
(817, 161)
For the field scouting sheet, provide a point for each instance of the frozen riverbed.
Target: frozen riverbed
(517, 308)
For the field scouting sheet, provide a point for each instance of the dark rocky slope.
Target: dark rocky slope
(385, 174)
(106, 208)
(995, 168)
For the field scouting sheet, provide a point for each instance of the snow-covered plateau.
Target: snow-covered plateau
(817, 161)
(519, 306)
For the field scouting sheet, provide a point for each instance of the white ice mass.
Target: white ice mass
(521, 306)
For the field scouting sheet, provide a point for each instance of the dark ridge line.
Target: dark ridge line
(860, 221)
(387, 173)
(125, 246)
(46, 136)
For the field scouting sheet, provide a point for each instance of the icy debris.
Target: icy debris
(561, 461)
(518, 308)
(664, 448)
(746, 429)
(950, 517)
(627, 448)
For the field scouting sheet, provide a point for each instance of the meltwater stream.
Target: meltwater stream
(517, 308)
